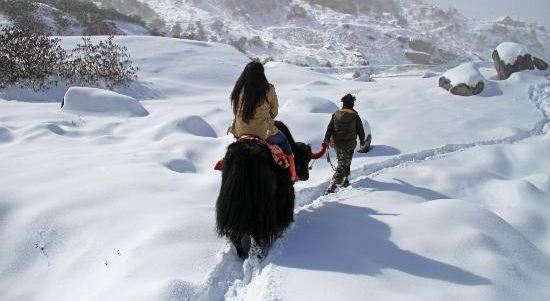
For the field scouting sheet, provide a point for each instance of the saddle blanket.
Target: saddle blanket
(277, 153)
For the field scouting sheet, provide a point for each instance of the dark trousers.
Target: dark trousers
(344, 164)
(280, 139)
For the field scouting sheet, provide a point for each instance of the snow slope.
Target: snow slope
(452, 202)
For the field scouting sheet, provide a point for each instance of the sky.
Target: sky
(528, 10)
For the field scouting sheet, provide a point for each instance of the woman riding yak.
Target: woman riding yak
(256, 199)
(255, 106)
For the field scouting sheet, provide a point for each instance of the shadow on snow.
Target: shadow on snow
(400, 186)
(347, 239)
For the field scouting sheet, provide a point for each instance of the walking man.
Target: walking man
(342, 133)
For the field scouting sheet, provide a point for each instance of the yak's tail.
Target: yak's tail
(247, 202)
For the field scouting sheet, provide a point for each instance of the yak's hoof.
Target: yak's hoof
(242, 246)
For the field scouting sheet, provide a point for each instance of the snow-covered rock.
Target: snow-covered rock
(463, 80)
(513, 57)
(509, 52)
(101, 102)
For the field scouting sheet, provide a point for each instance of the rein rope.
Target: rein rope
(310, 167)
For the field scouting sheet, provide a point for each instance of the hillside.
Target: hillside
(317, 33)
(67, 17)
(344, 33)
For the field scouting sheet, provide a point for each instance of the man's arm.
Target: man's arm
(360, 130)
(330, 129)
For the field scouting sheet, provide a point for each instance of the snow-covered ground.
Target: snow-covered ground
(452, 203)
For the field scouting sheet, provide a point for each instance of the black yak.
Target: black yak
(256, 197)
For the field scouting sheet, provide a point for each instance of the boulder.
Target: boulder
(464, 80)
(421, 46)
(417, 57)
(429, 74)
(512, 57)
(540, 64)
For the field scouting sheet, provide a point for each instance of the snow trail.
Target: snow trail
(540, 98)
(252, 280)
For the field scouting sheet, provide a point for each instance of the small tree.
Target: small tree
(104, 63)
(29, 59)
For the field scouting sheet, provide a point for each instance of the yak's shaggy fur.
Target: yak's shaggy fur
(257, 197)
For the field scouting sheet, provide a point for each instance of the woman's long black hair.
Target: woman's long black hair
(255, 86)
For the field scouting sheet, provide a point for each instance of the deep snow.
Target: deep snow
(451, 203)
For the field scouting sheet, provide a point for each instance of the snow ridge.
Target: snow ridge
(253, 279)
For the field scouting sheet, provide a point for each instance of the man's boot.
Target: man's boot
(331, 187)
(346, 182)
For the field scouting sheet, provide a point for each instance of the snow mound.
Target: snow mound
(102, 102)
(5, 135)
(509, 52)
(310, 105)
(466, 73)
(316, 83)
(364, 78)
(194, 125)
(181, 166)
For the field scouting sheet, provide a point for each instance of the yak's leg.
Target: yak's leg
(260, 248)
(264, 249)
(242, 245)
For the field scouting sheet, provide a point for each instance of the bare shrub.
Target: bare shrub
(29, 59)
(33, 60)
(105, 64)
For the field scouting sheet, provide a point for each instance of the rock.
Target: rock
(512, 57)
(464, 80)
(461, 89)
(416, 57)
(421, 46)
(507, 20)
(363, 78)
(465, 90)
(540, 64)
(429, 74)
